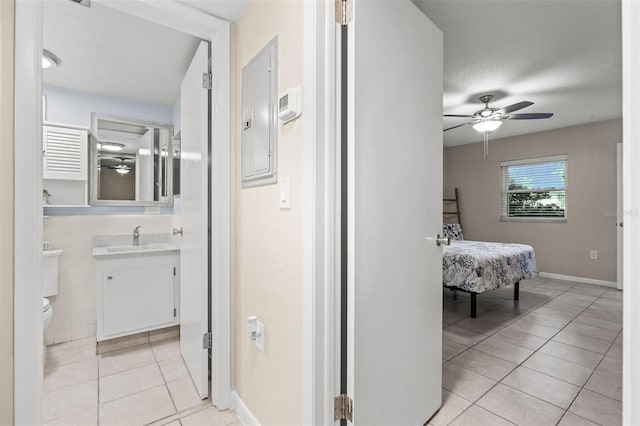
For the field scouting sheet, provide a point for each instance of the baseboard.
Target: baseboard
(603, 283)
(244, 414)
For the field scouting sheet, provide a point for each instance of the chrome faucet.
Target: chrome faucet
(136, 235)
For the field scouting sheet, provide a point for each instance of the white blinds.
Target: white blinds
(534, 188)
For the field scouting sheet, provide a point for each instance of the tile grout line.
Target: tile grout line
(497, 381)
(164, 379)
(550, 339)
(591, 375)
(521, 364)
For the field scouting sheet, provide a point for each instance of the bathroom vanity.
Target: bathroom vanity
(138, 288)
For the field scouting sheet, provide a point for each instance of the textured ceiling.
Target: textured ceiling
(112, 53)
(563, 55)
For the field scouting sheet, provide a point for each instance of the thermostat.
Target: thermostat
(289, 105)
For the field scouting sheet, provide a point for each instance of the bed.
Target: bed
(476, 266)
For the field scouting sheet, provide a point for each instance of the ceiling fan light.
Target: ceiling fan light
(123, 170)
(111, 146)
(487, 126)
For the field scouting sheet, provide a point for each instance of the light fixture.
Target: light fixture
(122, 169)
(49, 60)
(487, 126)
(111, 146)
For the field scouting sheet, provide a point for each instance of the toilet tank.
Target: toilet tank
(50, 272)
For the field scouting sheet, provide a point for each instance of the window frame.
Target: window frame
(504, 175)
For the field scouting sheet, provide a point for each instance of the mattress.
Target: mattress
(477, 266)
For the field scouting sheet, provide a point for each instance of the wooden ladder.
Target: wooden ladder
(449, 201)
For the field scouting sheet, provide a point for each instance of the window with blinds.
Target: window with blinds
(534, 189)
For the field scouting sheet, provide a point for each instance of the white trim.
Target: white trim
(242, 411)
(319, 99)
(631, 201)
(571, 278)
(536, 160)
(28, 344)
(28, 336)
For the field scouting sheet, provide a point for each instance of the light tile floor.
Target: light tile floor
(554, 357)
(144, 385)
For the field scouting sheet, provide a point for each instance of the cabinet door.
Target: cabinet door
(65, 153)
(137, 298)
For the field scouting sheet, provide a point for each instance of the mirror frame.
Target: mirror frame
(93, 170)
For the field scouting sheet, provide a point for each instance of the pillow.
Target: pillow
(453, 230)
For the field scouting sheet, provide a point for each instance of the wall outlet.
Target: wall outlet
(260, 336)
(593, 254)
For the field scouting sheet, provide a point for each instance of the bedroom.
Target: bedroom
(564, 57)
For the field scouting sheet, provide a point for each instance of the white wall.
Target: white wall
(75, 305)
(70, 106)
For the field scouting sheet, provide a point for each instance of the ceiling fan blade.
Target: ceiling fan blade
(455, 127)
(532, 116)
(515, 107)
(457, 115)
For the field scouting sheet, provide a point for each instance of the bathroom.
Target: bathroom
(113, 227)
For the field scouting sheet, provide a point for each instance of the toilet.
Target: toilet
(50, 282)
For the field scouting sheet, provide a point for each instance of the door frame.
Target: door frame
(631, 213)
(28, 366)
(321, 214)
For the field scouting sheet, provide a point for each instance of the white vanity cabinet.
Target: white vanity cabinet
(137, 293)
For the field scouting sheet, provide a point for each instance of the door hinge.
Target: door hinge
(174, 271)
(344, 12)
(207, 341)
(343, 408)
(207, 80)
(175, 312)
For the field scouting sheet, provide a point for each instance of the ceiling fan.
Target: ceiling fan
(488, 119)
(494, 115)
(122, 168)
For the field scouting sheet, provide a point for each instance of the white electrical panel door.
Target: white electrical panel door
(259, 117)
(65, 153)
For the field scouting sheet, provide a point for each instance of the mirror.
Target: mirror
(130, 162)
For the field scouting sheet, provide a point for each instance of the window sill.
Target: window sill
(534, 219)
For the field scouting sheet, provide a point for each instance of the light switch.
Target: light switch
(285, 192)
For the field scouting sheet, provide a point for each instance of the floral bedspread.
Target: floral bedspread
(478, 266)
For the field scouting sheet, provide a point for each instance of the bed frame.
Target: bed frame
(516, 296)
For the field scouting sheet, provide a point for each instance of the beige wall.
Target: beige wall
(267, 271)
(6, 210)
(74, 308)
(561, 248)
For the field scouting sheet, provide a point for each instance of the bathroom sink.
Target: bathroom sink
(119, 249)
(147, 248)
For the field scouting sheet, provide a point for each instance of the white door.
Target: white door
(194, 212)
(619, 215)
(395, 203)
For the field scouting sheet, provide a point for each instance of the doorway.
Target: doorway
(28, 348)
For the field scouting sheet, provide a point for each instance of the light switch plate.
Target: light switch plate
(285, 192)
